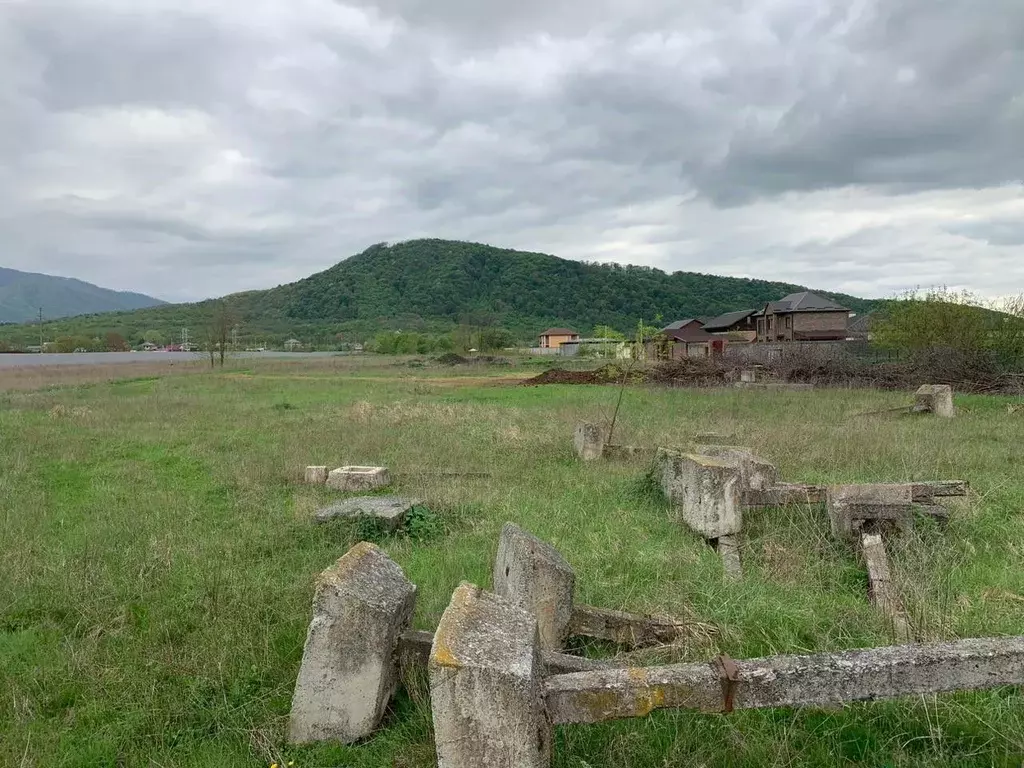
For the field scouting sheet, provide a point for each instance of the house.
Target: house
(684, 338)
(738, 327)
(553, 338)
(802, 316)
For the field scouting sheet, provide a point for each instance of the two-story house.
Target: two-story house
(553, 338)
(802, 316)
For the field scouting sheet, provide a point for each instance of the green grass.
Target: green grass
(158, 559)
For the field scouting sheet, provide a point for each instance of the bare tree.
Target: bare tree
(222, 320)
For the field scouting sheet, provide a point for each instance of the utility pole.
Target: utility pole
(40, 330)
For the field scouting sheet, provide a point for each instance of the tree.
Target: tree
(218, 331)
(154, 337)
(115, 342)
(493, 339)
(607, 332)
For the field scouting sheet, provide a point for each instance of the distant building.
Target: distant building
(553, 338)
(292, 344)
(738, 327)
(684, 338)
(802, 316)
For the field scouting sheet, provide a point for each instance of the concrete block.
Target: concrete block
(353, 479)
(390, 510)
(362, 605)
(588, 441)
(849, 506)
(534, 575)
(316, 475)
(486, 685)
(706, 493)
(881, 590)
(935, 398)
(758, 474)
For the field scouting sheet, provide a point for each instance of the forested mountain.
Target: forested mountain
(23, 294)
(438, 284)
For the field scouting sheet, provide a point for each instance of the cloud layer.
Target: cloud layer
(188, 148)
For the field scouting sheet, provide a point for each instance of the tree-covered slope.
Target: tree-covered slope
(23, 294)
(437, 284)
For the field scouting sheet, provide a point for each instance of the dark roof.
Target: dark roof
(728, 319)
(559, 332)
(805, 301)
(690, 333)
(681, 324)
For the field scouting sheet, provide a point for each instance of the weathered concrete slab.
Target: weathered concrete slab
(534, 575)
(789, 681)
(729, 550)
(390, 510)
(626, 629)
(486, 675)
(882, 592)
(850, 505)
(706, 493)
(935, 398)
(589, 440)
(362, 604)
(926, 491)
(758, 474)
(353, 479)
(316, 475)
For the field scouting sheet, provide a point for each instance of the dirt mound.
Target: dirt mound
(450, 358)
(609, 374)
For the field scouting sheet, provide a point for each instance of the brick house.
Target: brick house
(738, 327)
(553, 338)
(802, 316)
(684, 338)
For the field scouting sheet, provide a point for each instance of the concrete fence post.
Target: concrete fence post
(588, 441)
(534, 575)
(935, 398)
(706, 493)
(362, 605)
(486, 685)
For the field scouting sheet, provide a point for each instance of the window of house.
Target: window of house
(789, 321)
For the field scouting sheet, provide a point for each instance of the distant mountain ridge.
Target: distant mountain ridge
(22, 294)
(435, 285)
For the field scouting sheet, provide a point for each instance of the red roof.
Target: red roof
(559, 332)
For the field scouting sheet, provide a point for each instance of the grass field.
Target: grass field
(158, 557)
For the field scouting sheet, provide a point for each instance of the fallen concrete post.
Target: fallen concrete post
(534, 575)
(936, 399)
(926, 491)
(881, 590)
(316, 475)
(486, 685)
(785, 495)
(352, 479)
(823, 679)
(588, 441)
(363, 603)
(626, 629)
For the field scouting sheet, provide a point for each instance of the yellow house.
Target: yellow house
(553, 338)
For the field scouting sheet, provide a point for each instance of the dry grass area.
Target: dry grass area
(158, 556)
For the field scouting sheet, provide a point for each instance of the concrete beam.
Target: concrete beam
(850, 505)
(824, 679)
(361, 606)
(486, 685)
(626, 629)
(881, 590)
(534, 575)
(926, 491)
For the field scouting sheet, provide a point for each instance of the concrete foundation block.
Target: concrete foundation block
(316, 475)
(850, 506)
(588, 441)
(534, 575)
(935, 398)
(486, 685)
(362, 605)
(353, 479)
(758, 474)
(706, 493)
(390, 510)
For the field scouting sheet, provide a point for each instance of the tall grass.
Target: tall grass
(158, 557)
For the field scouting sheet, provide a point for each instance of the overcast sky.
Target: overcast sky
(189, 148)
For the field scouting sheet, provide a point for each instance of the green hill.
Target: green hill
(435, 285)
(23, 294)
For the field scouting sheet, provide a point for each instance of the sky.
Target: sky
(193, 148)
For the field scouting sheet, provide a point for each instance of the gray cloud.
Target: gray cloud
(194, 147)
